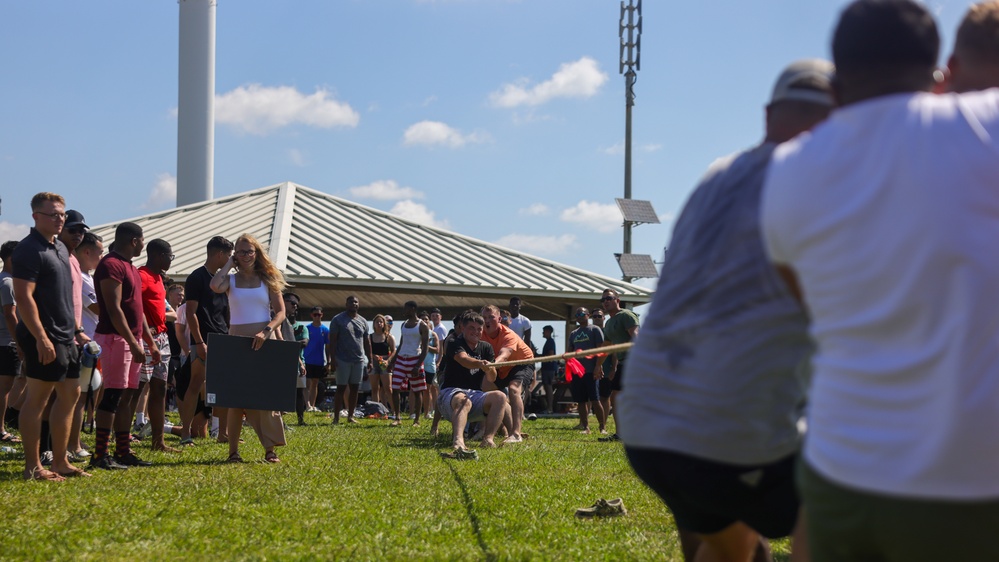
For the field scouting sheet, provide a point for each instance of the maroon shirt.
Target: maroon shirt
(114, 266)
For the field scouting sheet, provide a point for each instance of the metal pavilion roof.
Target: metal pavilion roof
(330, 248)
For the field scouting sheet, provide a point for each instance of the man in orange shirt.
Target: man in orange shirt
(508, 346)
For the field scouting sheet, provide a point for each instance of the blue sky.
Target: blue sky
(498, 119)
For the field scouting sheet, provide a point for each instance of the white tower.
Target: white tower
(196, 102)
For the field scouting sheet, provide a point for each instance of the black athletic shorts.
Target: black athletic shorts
(182, 377)
(65, 366)
(608, 386)
(431, 377)
(314, 371)
(10, 363)
(707, 496)
(522, 373)
(584, 389)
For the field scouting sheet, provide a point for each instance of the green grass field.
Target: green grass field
(362, 492)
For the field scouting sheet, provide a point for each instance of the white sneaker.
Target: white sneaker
(47, 458)
(81, 452)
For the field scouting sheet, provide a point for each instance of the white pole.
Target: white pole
(196, 102)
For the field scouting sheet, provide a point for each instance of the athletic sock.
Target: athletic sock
(215, 424)
(101, 446)
(121, 443)
(140, 418)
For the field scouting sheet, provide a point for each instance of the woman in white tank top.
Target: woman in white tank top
(254, 291)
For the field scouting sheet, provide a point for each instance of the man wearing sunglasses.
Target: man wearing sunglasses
(159, 256)
(621, 327)
(315, 357)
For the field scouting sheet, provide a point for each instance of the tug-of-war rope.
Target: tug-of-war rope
(573, 367)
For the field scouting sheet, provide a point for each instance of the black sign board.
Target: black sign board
(238, 377)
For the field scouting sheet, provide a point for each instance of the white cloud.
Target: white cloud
(385, 190)
(614, 149)
(11, 231)
(432, 133)
(618, 149)
(296, 156)
(260, 109)
(163, 191)
(599, 216)
(417, 212)
(579, 79)
(541, 245)
(534, 210)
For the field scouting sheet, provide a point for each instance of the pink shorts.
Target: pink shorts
(402, 381)
(117, 367)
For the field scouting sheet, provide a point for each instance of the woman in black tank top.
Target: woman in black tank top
(382, 347)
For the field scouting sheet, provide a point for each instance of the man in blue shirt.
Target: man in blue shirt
(315, 357)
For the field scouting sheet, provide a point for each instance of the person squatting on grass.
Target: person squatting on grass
(254, 290)
(467, 360)
(885, 217)
(508, 346)
(407, 365)
(121, 326)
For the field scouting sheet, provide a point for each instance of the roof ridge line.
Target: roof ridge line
(284, 213)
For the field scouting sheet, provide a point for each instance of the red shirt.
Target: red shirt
(115, 267)
(153, 299)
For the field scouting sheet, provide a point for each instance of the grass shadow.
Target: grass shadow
(422, 442)
(472, 517)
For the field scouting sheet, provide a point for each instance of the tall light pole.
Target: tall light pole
(630, 57)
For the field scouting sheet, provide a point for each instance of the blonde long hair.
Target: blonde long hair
(263, 267)
(385, 326)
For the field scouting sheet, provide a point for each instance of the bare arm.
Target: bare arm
(220, 281)
(194, 328)
(277, 305)
(24, 294)
(111, 290)
(331, 346)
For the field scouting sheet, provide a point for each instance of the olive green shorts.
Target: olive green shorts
(846, 524)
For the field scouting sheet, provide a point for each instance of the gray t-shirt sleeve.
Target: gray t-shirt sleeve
(6, 291)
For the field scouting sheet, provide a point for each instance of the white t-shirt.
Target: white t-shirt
(889, 214)
(520, 325)
(89, 298)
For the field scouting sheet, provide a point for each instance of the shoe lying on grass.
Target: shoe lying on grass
(603, 508)
(609, 438)
(462, 455)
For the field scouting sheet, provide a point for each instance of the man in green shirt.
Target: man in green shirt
(621, 327)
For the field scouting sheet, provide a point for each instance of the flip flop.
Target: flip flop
(187, 442)
(74, 474)
(272, 457)
(9, 438)
(43, 475)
